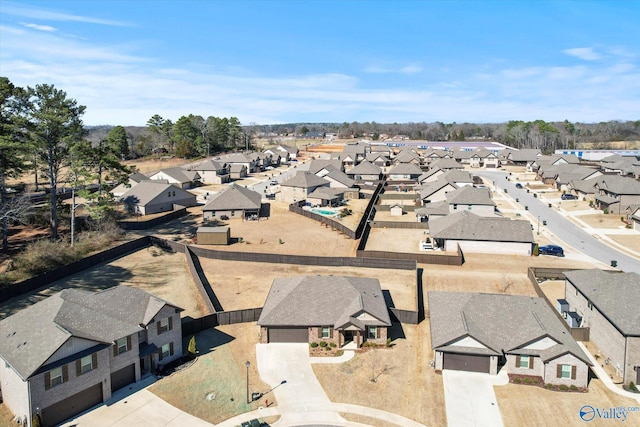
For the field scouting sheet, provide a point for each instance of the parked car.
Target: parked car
(551, 250)
(519, 186)
(251, 423)
(567, 196)
(273, 183)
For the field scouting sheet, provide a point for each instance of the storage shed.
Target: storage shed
(214, 235)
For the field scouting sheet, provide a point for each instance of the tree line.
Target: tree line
(546, 136)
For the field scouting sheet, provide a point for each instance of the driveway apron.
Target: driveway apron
(301, 400)
(470, 400)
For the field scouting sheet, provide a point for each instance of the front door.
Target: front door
(348, 336)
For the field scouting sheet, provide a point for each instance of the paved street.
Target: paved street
(562, 227)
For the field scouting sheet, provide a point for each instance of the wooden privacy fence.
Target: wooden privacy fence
(138, 224)
(396, 224)
(336, 225)
(191, 326)
(535, 273)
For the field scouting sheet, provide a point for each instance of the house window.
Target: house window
(326, 332)
(565, 371)
(55, 377)
(455, 207)
(233, 213)
(524, 362)
(169, 194)
(589, 305)
(86, 364)
(166, 351)
(165, 325)
(469, 207)
(122, 345)
(372, 332)
(174, 194)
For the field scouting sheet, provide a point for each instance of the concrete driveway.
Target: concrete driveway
(301, 400)
(470, 399)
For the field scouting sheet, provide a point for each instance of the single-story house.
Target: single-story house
(70, 351)
(152, 196)
(436, 191)
(432, 210)
(378, 159)
(235, 201)
(484, 332)
(316, 166)
(338, 179)
(300, 186)
(334, 309)
(133, 180)
(523, 157)
(472, 199)
(365, 171)
(288, 151)
(458, 177)
(608, 302)
(324, 196)
(404, 172)
(179, 177)
(445, 164)
(408, 157)
(251, 164)
(477, 234)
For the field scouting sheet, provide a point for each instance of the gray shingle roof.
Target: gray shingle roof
(500, 322)
(31, 336)
(181, 175)
(146, 191)
(304, 179)
(365, 168)
(616, 295)
(618, 184)
(469, 195)
(323, 300)
(435, 186)
(341, 177)
(326, 193)
(468, 226)
(235, 197)
(445, 164)
(405, 169)
(316, 165)
(436, 208)
(457, 175)
(524, 155)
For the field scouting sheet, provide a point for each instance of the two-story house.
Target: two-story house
(69, 352)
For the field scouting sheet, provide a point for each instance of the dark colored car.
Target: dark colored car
(567, 196)
(551, 250)
(518, 185)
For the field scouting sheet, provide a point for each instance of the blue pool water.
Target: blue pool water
(324, 212)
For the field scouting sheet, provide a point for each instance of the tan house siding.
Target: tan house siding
(264, 335)
(580, 371)
(632, 364)
(315, 335)
(601, 332)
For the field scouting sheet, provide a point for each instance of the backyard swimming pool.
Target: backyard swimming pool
(324, 211)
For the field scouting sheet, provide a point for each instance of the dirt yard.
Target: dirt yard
(163, 274)
(240, 285)
(214, 388)
(285, 232)
(603, 221)
(553, 289)
(404, 383)
(631, 241)
(534, 406)
(396, 240)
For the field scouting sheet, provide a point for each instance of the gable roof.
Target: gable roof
(457, 175)
(500, 322)
(31, 336)
(146, 191)
(446, 164)
(304, 179)
(618, 184)
(341, 177)
(316, 165)
(405, 169)
(289, 149)
(323, 300)
(179, 174)
(465, 225)
(436, 208)
(365, 168)
(235, 197)
(208, 165)
(524, 155)
(616, 295)
(469, 195)
(435, 186)
(325, 193)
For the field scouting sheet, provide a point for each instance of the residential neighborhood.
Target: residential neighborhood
(349, 279)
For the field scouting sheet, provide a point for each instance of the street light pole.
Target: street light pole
(247, 364)
(538, 224)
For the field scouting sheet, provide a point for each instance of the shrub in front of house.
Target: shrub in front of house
(323, 344)
(517, 380)
(527, 380)
(573, 387)
(313, 344)
(548, 386)
(332, 344)
(563, 387)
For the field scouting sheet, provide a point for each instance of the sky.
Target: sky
(268, 62)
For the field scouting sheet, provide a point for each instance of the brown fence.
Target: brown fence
(191, 326)
(295, 208)
(33, 283)
(397, 224)
(141, 224)
(405, 316)
(201, 282)
(443, 259)
(405, 208)
(536, 273)
(404, 196)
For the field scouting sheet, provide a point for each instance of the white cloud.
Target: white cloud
(49, 15)
(38, 27)
(584, 53)
(407, 69)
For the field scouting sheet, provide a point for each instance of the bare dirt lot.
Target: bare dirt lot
(285, 232)
(404, 382)
(603, 221)
(631, 241)
(160, 273)
(535, 406)
(240, 285)
(396, 240)
(214, 387)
